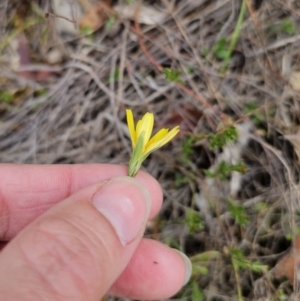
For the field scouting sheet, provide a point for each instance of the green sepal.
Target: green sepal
(136, 159)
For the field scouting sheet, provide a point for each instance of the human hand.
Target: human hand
(73, 235)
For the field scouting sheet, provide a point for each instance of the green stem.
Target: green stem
(237, 279)
(235, 36)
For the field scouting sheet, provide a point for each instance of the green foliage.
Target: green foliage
(238, 213)
(250, 107)
(172, 75)
(181, 180)
(240, 262)
(197, 293)
(287, 26)
(86, 31)
(201, 259)
(193, 221)
(205, 257)
(6, 97)
(187, 148)
(235, 35)
(290, 235)
(224, 170)
(199, 270)
(115, 76)
(261, 206)
(221, 139)
(220, 50)
(41, 92)
(110, 21)
(280, 295)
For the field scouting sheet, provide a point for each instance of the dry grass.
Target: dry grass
(80, 118)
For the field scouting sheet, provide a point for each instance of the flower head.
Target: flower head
(142, 144)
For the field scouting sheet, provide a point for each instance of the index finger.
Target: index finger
(26, 191)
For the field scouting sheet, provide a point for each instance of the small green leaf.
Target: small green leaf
(220, 49)
(87, 31)
(197, 293)
(249, 107)
(187, 148)
(181, 180)
(110, 22)
(287, 26)
(224, 170)
(193, 221)
(227, 135)
(240, 262)
(7, 97)
(238, 213)
(172, 75)
(257, 267)
(115, 76)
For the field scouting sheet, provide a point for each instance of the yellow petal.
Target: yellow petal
(170, 135)
(130, 123)
(138, 128)
(163, 137)
(148, 126)
(145, 125)
(158, 136)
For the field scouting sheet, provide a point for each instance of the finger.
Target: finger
(78, 248)
(155, 272)
(26, 191)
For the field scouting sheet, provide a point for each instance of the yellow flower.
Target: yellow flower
(142, 144)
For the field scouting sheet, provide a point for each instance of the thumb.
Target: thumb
(78, 248)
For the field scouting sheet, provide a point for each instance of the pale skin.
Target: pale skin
(61, 248)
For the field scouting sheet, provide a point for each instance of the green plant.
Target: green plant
(280, 294)
(261, 206)
(235, 36)
(181, 180)
(205, 257)
(87, 31)
(187, 148)
(252, 108)
(224, 170)
(41, 92)
(201, 259)
(193, 221)
(290, 236)
(6, 97)
(197, 292)
(240, 262)
(238, 213)
(229, 134)
(287, 26)
(115, 76)
(220, 50)
(110, 21)
(172, 75)
(249, 107)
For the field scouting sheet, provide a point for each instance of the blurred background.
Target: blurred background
(226, 71)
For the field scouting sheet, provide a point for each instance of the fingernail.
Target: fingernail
(188, 266)
(126, 204)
